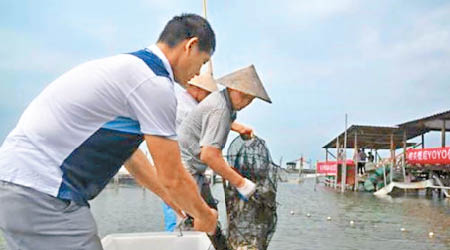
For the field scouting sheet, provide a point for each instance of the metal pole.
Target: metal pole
(210, 65)
(404, 156)
(300, 169)
(423, 140)
(392, 159)
(204, 9)
(443, 133)
(376, 156)
(316, 178)
(278, 172)
(344, 165)
(337, 162)
(355, 162)
(326, 154)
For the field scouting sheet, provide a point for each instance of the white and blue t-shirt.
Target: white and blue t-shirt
(74, 136)
(186, 103)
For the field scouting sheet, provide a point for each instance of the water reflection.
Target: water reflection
(377, 222)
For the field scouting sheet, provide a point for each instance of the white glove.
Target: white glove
(247, 190)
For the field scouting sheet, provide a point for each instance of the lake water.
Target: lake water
(377, 222)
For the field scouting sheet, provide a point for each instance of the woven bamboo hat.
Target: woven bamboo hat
(205, 80)
(247, 81)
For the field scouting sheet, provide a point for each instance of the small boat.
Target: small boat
(157, 240)
(413, 185)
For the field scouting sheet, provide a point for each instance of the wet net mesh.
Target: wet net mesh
(251, 224)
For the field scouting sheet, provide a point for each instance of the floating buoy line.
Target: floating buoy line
(352, 223)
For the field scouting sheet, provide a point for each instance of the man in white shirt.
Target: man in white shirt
(194, 92)
(60, 155)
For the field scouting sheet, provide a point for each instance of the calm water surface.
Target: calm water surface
(377, 222)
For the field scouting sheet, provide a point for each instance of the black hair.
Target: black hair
(188, 26)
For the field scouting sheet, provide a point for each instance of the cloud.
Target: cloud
(428, 35)
(318, 10)
(321, 8)
(388, 74)
(417, 59)
(99, 31)
(318, 59)
(24, 56)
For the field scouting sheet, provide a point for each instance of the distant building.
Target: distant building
(291, 165)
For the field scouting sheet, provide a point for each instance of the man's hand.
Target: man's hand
(243, 130)
(178, 183)
(207, 223)
(175, 208)
(145, 174)
(247, 190)
(246, 132)
(212, 157)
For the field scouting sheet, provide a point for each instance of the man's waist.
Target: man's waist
(194, 166)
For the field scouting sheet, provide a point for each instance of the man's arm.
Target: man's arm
(179, 184)
(145, 174)
(242, 129)
(212, 157)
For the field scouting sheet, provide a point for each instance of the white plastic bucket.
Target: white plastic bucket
(157, 241)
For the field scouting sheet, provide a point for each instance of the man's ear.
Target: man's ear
(191, 43)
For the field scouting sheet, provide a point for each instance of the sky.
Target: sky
(381, 62)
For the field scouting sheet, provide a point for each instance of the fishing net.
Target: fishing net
(251, 224)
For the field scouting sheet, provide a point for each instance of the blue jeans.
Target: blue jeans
(170, 218)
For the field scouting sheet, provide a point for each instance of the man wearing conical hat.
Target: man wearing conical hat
(203, 134)
(194, 92)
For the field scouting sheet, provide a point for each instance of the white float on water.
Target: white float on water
(352, 223)
(157, 240)
(328, 218)
(403, 229)
(430, 234)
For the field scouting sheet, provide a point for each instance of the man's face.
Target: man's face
(202, 94)
(240, 100)
(190, 61)
(197, 93)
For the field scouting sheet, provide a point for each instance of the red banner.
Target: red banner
(330, 167)
(428, 156)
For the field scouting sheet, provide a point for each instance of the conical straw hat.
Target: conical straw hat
(247, 81)
(205, 80)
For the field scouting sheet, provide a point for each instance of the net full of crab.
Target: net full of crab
(252, 222)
